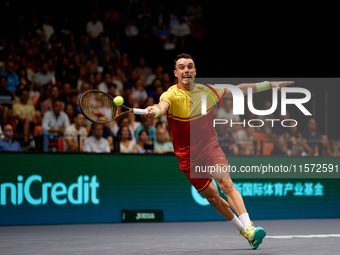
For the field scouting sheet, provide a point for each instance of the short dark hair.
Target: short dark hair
(111, 85)
(143, 130)
(56, 100)
(182, 55)
(21, 90)
(3, 77)
(119, 133)
(94, 124)
(75, 115)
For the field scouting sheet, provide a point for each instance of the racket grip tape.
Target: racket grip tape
(139, 111)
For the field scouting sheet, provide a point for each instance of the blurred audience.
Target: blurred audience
(126, 144)
(7, 143)
(75, 134)
(311, 138)
(143, 144)
(161, 145)
(96, 142)
(54, 124)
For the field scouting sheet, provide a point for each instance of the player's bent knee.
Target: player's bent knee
(217, 201)
(226, 184)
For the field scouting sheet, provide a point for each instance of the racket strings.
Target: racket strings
(98, 107)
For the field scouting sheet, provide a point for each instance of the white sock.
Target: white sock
(238, 224)
(244, 218)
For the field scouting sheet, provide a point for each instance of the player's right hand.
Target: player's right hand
(151, 112)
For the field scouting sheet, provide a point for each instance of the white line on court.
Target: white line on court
(304, 236)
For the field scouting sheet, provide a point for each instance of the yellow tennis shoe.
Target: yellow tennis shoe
(254, 235)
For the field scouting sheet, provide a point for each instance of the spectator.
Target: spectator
(107, 134)
(131, 29)
(71, 142)
(326, 150)
(226, 139)
(277, 128)
(295, 140)
(23, 78)
(74, 101)
(334, 147)
(181, 32)
(65, 93)
(53, 94)
(125, 66)
(161, 145)
(133, 123)
(245, 140)
(126, 144)
(104, 85)
(196, 30)
(8, 144)
(194, 10)
(163, 34)
(143, 144)
(266, 128)
(112, 89)
(132, 101)
(158, 74)
(54, 124)
(94, 30)
(281, 148)
(12, 77)
(121, 121)
(226, 111)
(150, 101)
(158, 92)
(24, 114)
(92, 81)
(146, 124)
(113, 51)
(311, 138)
(48, 29)
(132, 80)
(167, 83)
(43, 77)
(142, 69)
(119, 79)
(140, 92)
(69, 110)
(96, 142)
(6, 99)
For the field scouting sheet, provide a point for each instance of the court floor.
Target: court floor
(319, 236)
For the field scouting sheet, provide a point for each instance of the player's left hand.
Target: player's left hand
(280, 84)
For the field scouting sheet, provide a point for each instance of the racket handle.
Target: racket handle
(139, 111)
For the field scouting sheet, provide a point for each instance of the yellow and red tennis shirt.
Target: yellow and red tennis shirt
(193, 133)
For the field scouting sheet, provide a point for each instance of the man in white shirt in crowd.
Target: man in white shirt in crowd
(226, 111)
(245, 140)
(97, 143)
(54, 123)
(71, 142)
(43, 77)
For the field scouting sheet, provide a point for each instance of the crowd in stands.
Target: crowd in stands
(45, 67)
(261, 137)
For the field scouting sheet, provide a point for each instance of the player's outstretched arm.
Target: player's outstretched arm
(162, 107)
(261, 86)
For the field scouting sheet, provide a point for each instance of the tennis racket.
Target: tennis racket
(98, 106)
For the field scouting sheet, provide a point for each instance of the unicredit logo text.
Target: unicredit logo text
(83, 191)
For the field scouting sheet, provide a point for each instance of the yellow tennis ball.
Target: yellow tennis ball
(118, 100)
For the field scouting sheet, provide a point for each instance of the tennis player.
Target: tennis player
(195, 143)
